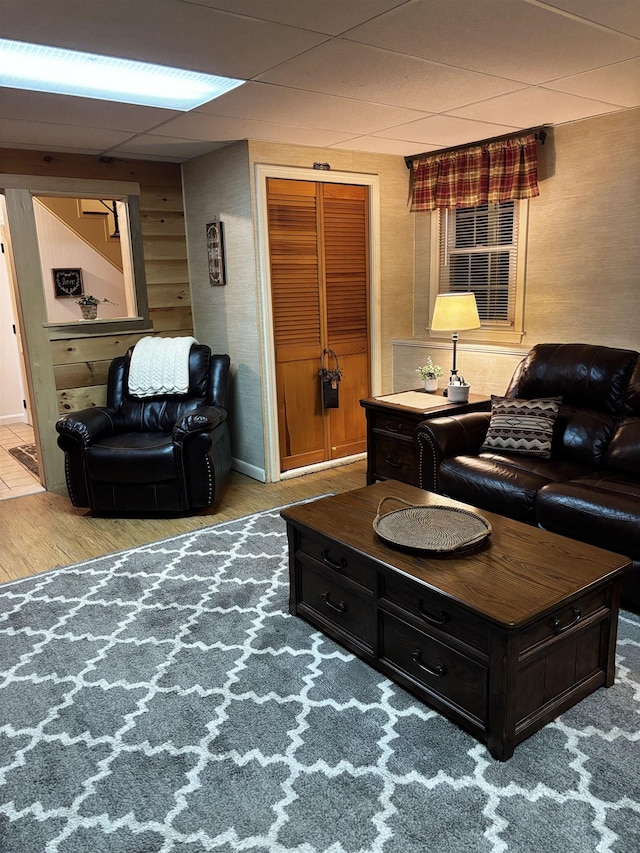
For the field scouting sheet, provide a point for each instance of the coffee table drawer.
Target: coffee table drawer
(435, 666)
(337, 602)
(433, 611)
(333, 557)
(563, 619)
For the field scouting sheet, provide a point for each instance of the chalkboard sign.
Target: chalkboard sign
(68, 282)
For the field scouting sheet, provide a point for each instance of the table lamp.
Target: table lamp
(455, 312)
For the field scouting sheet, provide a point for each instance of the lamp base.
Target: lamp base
(458, 393)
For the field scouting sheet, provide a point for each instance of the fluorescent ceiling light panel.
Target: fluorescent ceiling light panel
(71, 72)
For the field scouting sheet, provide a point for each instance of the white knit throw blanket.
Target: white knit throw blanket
(160, 366)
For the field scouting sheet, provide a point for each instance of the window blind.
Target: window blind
(478, 254)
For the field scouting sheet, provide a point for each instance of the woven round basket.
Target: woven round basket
(437, 529)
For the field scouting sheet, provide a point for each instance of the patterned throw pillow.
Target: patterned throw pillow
(522, 426)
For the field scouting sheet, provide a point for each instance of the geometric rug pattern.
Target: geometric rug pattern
(163, 699)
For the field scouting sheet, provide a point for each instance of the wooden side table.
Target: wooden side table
(392, 451)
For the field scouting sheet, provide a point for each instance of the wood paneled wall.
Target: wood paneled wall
(81, 361)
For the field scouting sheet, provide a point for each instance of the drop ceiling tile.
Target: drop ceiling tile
(85, 112)
(59, 136)
(328, 16)
(196, 125)
(163, 148)
(353, 89)
(378, 145)
(279, 104)
(168, 32)
(620, 15)
(619, 84)
(357, 71)
(535, 106)
(515, 40)
(444, 130)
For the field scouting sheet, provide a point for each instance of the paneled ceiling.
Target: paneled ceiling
(387, 76)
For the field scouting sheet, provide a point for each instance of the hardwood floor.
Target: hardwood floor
(43, 531)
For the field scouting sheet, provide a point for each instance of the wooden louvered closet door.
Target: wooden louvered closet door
(319, 256)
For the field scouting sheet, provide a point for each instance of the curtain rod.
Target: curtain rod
(540, 133)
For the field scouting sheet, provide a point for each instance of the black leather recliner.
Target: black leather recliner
(155, 454)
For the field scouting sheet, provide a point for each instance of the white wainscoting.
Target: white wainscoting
(486, 368)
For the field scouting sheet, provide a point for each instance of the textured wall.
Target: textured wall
(226, 318)
(583, 255)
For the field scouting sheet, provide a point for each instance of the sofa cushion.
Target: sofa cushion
(522, 426)
(501, 483)
(583, 435)
(623, 452)
(586, 376)
(133, 457)
(602, 509)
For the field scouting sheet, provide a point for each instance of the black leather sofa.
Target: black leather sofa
(589, 488)
(164, 454)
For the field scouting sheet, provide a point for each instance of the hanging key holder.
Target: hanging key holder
(330, 379)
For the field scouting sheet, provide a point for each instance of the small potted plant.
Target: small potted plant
(89, 305)
(430, 373)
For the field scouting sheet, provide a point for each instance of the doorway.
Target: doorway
(36, 289)
(318, 250)
(19, 463)
(293, 395)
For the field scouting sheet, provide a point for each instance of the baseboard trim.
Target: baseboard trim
(260, 474)
(252, 471)
(7, 420)
(322, 466)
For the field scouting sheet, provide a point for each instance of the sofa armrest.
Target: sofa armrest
(202, 419)
(86, 426)
(439, 438)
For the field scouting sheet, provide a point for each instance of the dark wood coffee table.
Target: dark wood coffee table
(501, 641)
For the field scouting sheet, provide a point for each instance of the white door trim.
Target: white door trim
(268, 367)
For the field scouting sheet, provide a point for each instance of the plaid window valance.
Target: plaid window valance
(496, 171)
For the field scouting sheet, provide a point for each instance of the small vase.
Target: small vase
(89, 312)
(430, 385)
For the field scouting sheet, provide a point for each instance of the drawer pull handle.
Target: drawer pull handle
(391, 427)
(556, 622)
(437, 671)
(340, 607)
(442, 619)
(395, 463)
(333, 564)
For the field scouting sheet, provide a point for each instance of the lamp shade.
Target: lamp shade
(454, 312)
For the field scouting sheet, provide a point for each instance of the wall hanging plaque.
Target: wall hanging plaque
(67, 282)
(215, 253)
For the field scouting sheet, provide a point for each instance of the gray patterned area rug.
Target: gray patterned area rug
(163, 699)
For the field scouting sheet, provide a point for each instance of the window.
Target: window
(479, 250)
(91, 235)
(36, 286)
